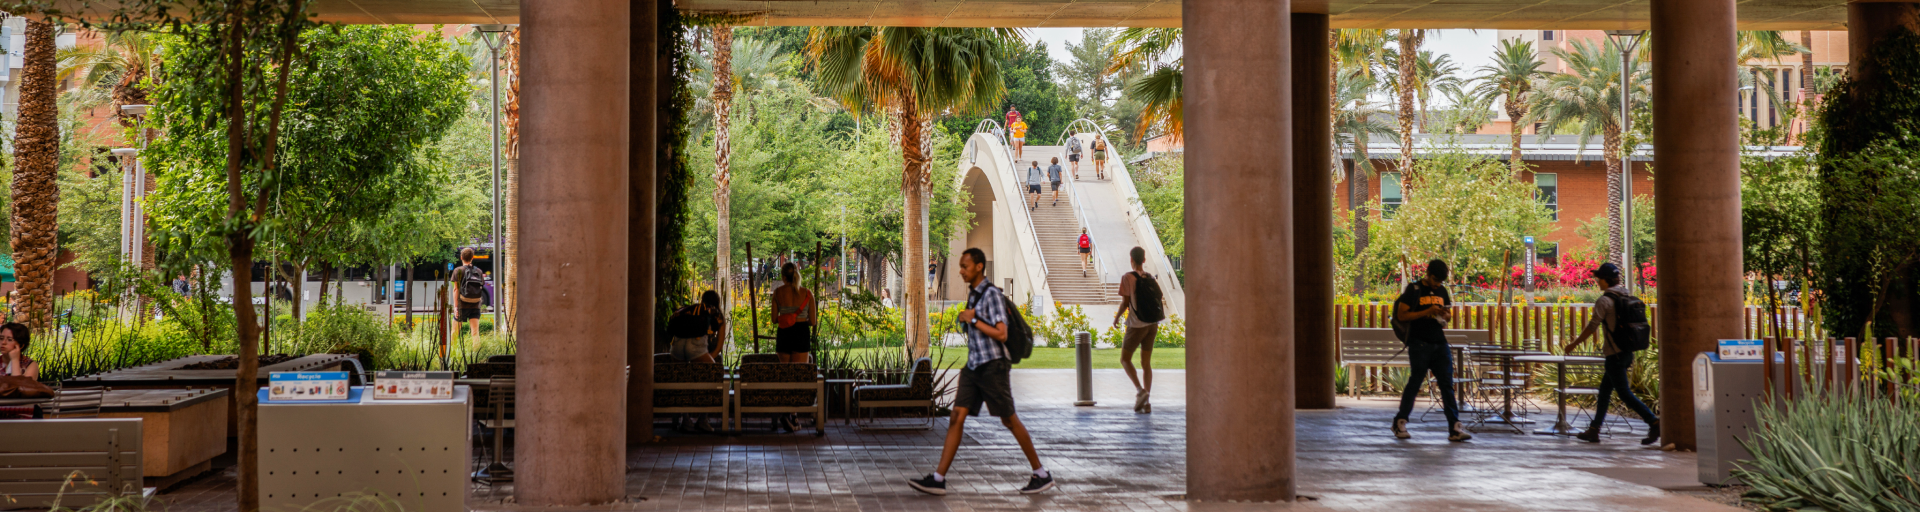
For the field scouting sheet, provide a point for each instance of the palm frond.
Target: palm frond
(1159, 90)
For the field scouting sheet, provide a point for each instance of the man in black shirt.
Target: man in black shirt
(1423, 307)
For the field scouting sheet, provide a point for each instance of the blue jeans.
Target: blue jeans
(1613, 379)
(1436, 358)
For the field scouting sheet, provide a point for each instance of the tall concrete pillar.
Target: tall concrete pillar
(570, 447)
(643, 138)
(1867, 22)
(1315, 349)
(1696, 147)
(1240, 259)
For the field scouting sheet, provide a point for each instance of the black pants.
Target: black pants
(1436, 358)
(1613, 379)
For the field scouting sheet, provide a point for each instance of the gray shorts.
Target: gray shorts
(688, 349)
(988, 383)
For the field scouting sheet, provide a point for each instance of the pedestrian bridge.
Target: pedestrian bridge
(1035, 248)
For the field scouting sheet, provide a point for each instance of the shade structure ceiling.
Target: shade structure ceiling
(1477, 14)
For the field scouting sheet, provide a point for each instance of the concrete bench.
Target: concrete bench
(38, 458)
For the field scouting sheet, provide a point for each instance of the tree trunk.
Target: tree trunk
(510, 177)
(36, 193)
(326, 278)
(296, 289)
(1409, 55)
(1359, 193)
(1615, 194)
(913, 183)
(1516, 109)
(722, 160)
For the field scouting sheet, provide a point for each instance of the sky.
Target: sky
(1470, 48)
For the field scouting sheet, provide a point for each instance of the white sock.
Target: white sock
(1042, 473)
(939, 477)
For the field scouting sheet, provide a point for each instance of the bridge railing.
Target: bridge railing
(1010, 190)
(1142, 225)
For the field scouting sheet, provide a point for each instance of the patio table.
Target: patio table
(1560, 426)
(1506, 356)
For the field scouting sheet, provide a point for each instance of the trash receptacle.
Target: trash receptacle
(1725, 392)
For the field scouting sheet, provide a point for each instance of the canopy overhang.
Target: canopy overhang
(1475, 14)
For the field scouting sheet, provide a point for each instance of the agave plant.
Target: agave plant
(1845, 449)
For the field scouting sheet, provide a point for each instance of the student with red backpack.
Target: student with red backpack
(1086, 251)
(1622, 318)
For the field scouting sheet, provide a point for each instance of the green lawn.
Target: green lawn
(1163, 358)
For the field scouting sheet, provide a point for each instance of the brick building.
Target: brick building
(1572, 180)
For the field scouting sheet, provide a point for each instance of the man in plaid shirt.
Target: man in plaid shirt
(985, 378)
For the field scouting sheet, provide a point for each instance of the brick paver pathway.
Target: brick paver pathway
(1107, 458)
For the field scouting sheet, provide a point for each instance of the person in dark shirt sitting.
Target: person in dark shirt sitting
(1424, 308)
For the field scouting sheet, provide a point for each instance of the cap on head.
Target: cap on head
(1437, 269)
(1609, 272)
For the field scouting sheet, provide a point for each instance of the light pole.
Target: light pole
(491, 33)
(1626, 40)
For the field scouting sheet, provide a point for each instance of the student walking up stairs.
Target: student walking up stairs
(1059, 231)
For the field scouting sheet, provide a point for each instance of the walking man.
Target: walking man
(1423, 308)
(1053, 175)
(1033, 184)
(984, 379)
(1617, 314)
(1073, 154)
(473, 291)
(1141, 303)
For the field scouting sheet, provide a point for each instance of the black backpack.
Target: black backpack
(1400, 329)
(1631, 331)
(686, 323)
(473, 285)
(1019, 341)
(1149, 305)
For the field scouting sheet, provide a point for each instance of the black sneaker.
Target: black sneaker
(1591, 435)
(928, 485)
(1038, 484)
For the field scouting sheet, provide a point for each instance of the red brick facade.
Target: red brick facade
(1582, 189)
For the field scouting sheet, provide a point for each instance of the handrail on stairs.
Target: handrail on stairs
(989, 126)
(1101, 132)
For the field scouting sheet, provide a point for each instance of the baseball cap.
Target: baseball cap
(1607, 271)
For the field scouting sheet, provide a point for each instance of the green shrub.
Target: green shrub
(109, 345)
(1840, 450)
(335, 329)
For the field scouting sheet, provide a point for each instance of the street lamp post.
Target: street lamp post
(491, 33)
(1627, 41)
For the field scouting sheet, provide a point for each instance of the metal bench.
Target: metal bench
(1364, 347)
(89, 459)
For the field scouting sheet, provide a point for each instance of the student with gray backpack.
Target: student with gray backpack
(1144, 307)
(997, 337)
(1622, 319)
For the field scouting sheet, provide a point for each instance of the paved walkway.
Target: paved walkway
(1108, 458)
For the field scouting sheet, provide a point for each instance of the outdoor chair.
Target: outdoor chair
(75, 403)
(776, 388)
(1617, 414)
(746, 359)
(691, 388)
(497, 416)
(916, 393)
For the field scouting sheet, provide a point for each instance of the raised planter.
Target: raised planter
(181, 430)
(171, 374)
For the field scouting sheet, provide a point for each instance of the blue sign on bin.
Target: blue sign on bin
(1741, 350)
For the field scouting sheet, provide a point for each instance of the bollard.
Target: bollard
(1083, 366)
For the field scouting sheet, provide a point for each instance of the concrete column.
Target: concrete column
(570, 447)
(1696, 148)
(1866, 23)
(1240, 250)
(643, 140)
(1314, 342)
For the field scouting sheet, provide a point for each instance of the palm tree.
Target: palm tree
(119, 64)
(1435, 72)
(1354, 120)
(1511, 75)
(1158, 88)
(510, 176)
(1357, 52)
(1408, 81)
(36, 194)
(918, 73)
(1754, 49)
(722, 159)
(1587, 101)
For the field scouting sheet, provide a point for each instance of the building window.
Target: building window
(1546, 35)
(1547, 189)
(1390, 194)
